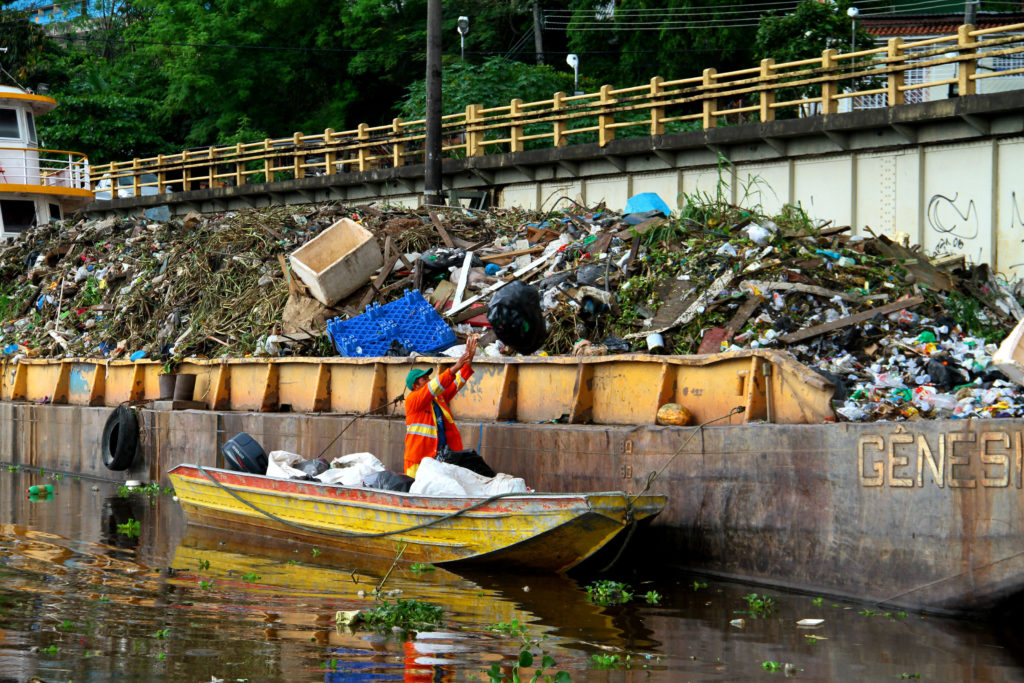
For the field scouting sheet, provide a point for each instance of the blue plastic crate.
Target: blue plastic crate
(411, 320)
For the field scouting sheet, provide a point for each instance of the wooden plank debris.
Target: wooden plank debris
(391, 259)
(533, 265)
(467, 263)
(763, 286)
(743, 313)
(507, 257)
(701, 303)
(916, 264)
(445, 237)
(676, 296)
(824, 328)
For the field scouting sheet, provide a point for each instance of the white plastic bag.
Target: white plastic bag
(351, 469)
(279, 464)
(435, 478)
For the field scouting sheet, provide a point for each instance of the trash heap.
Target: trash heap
(900, 334)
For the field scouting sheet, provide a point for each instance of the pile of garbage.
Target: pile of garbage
(901, 335)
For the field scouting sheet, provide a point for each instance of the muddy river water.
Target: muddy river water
(97, 586)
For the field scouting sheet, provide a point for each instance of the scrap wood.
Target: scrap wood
(460, 289)
(469, 312)
(762, 286)
(915, 263)
(676, 296)
(506, 257)
(600, 245)
(539, 234)
(713, 290)
(743, 313)
(533, 265)
(442, 293)
(292, 285)
(384, 274)
(445, 237)
(824, 328)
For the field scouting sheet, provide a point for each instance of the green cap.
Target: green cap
(414, 375)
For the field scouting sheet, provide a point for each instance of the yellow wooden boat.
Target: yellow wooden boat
(547, 531)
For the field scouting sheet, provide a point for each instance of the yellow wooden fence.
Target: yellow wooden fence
(756, 93)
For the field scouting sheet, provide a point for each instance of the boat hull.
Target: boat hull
(551, 532)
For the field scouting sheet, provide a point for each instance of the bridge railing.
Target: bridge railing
(760, 93)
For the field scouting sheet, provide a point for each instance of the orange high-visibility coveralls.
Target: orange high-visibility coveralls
(421, 423)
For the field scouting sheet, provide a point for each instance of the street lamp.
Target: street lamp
(853, 12)
(574, 61)
(463, 28)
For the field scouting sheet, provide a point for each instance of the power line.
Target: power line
(662, 24)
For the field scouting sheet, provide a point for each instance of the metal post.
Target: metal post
(432, 178)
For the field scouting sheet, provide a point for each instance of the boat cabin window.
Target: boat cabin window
(17, 215)
(30, 125)
(9, 123)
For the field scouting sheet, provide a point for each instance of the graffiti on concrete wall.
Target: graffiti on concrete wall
(1016, 223)
(955, 221)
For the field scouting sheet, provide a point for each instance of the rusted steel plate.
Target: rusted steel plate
(919, 515)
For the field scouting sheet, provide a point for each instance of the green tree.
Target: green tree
(804, 33)
(28, 49)
(668, 38)
(491, 84)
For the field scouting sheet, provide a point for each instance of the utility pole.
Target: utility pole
(970, 11)
(538, 34)
(432, 179)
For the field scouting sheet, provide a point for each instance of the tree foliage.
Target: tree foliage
(811, 28)
(491, 84)
(669, 38)
(142, 77)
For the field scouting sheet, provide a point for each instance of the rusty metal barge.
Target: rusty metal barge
(925, 515)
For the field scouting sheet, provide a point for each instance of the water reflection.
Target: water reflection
(81, 600)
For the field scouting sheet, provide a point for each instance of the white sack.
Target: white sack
(351, 469)
(435, 478)
(279, 464)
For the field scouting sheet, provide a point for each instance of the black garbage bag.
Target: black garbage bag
(944, 372)
(388, 481)
(616, 344)
(398, 349)
(313, 467)
(471, 460)
(515, 316)
(442, 258)
(591, 274)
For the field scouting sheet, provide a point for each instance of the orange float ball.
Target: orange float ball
(673, 414)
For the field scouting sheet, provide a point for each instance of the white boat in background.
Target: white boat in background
(36, 185)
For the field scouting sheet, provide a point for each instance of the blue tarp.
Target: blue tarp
(645, 202)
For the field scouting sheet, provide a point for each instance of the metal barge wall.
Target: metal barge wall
(924, 515)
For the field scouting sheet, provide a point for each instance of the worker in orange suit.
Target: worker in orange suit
(428, 420)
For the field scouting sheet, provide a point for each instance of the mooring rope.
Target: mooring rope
(628, 517)
(356, 417)
(948, 578)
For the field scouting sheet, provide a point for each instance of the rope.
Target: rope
(628, 517)
(948, 578)
(352, 534)
(696, 430)
(356, 417)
